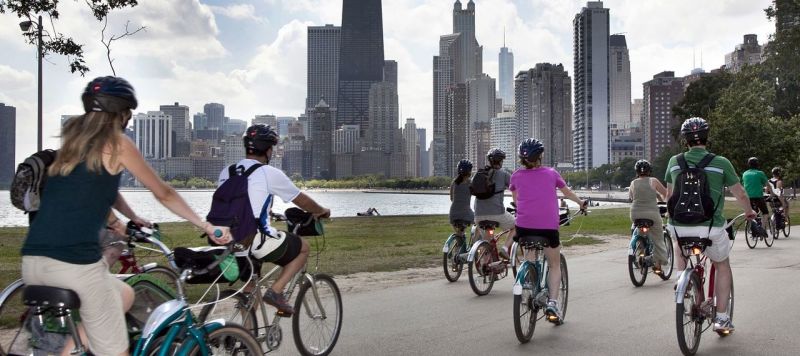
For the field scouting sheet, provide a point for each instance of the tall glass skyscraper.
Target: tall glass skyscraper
(506, 75)
(8, 132)
(360, 60)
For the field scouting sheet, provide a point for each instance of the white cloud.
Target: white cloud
(237, 12)
(15, 80)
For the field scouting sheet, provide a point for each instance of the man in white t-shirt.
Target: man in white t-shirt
(284, 249)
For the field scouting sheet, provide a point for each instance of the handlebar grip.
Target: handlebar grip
(218, 233)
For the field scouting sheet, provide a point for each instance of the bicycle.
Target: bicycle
(640, 251)
(754, 231)
(692, 308)
(454, 251)
(530, 288)
(170, 329)
(151, 283)
(779, 218)
(485, 264)
(318, 306)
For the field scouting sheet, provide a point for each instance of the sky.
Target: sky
(251, 55)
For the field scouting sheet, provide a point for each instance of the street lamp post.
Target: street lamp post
(25, 26)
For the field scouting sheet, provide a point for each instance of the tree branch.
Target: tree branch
(107, 42)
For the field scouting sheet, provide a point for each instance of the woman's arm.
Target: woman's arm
(660, 189)
(630, 191)
(132, 160)
(122, 206)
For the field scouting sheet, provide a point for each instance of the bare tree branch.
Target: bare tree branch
(107, 42)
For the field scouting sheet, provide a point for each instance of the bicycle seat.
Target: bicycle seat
(643, 222)
(488, 224)
(45, 296)
(691, 241)
(462, 223)
(533, 241)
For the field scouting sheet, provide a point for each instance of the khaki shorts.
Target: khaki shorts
(720, 247)
(506, 220)
(100, 293)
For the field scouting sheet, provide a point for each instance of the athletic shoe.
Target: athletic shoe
(277, 300)
(723, 325)
(552, 312)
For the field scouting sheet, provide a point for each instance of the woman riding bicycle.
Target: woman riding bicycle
(461, 214)
(62, 248)
(645, 193)
(777, 188)
(533, 190)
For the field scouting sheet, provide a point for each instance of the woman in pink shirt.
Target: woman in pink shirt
(533, 189)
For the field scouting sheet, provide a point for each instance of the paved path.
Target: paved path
(606, 314)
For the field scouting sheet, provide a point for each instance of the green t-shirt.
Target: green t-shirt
(719, 172)
(754, 181)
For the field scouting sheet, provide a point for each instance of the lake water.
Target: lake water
(341, 203)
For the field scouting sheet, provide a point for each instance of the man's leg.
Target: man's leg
(722, 283)
(291, 268)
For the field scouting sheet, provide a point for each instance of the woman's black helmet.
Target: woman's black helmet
(777, 172)
(109, 94)
(695, 131)
(259, 138)
(495, 155)
(752, 162)
(643, 167)
(464, 166)
(530, 149)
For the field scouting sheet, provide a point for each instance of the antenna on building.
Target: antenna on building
(504, 36)
(701, 58)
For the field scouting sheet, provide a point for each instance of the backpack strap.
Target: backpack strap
(682, 162)
(706, 160)
(252, 169)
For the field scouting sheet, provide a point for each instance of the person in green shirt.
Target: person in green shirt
(719, 174)
(754, 181)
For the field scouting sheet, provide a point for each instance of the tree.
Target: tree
(782, 53)
(701, 97)
(55, 41)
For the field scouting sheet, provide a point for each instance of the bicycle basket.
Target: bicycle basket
(303, 221)
(200, 257)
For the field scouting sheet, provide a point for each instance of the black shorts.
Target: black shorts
(293, 246)
(759, 204)
(551, 235)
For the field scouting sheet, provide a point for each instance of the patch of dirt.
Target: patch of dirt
(368, 281)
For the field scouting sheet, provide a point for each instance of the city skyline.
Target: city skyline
(260, 67)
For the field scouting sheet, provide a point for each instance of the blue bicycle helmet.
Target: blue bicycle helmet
(259, 138)
(530, 149)
(109, 94)
(495, 155)
(464, 166)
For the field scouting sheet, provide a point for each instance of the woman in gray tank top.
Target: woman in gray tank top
(461, 214)
(645, 193)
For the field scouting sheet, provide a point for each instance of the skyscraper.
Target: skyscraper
(660, 95)
(444, 75)
(390, 71)
(545, 113)
(8, 132)
(749, 52)
(269, 120)
(590, 47)
(323, 65)
(153, 134)
(215, 114)
(504, 136)
(471, 51)
(480, 109)
(423, 164)
(456, 115)
(619, 79)
(321, 131)
(360, 60)
(182, 130)
(506, 75)
(411, 148)
(384, 117)
(200, 121)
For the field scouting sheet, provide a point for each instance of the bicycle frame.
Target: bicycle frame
(539, 262)
(492, 241)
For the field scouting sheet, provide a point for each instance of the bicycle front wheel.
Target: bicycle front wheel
(563, 288)
(749, 237)
(229, 340)
(166, 276)
(317, 319)
(688, 318)
(771, 232)
(452, 266)
(525, 310)
(13, 336)
(481, 274)
(667, 270)
(637, 268)
(786, 226)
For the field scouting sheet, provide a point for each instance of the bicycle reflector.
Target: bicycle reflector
(644, 229)
(490, 232)
(696, 250)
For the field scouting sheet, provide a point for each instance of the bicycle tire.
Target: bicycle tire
(752, 240)
(525, 310)
(771, 232)
(233, 309)
(481, 276)
(637, 269)
(13, 336)
(688, 321)
(787, 227)
(563, 292)
(307, 308)
(165, 275)
(729, 309)
(518, 258)
(453, 269)
(230, 338)
(666, 272)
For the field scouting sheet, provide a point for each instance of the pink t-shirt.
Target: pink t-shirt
(537, 201)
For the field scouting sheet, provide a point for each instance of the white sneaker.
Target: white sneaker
(723, 326)
(553, 313)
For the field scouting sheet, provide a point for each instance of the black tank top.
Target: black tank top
(73, 210)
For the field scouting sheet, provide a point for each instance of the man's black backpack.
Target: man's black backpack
(691, 201)
(482, 185)
(29, 180)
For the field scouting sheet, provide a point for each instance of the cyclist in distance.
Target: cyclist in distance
(493, 208)
(62, 248)
(533, 189)
(719, 174)
(754, 181)
(645, 193)
(776, 183)
(282, 248)
(460, 196)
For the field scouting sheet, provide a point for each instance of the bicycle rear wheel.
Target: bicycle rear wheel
(316, 326)
(481, 275)
(771, 232)
(749, 237)
(667, 270)
(525, 310)
(637, 268)
(13, 336)
(234, 309)
(452, 267)
(688, 318)
(230, 340)
(786, 226)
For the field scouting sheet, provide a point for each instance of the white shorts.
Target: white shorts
(720, 244)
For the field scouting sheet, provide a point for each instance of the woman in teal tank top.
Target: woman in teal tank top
(62, 248)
